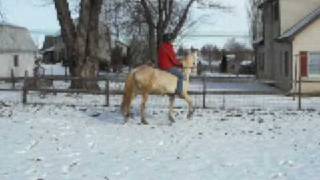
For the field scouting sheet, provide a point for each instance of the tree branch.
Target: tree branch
(182, 19)
(168, 14)
(147, 12)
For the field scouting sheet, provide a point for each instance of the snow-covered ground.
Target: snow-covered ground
(55, 69)
(58, 140)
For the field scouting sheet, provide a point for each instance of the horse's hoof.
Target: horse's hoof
(144, 122)
(126, 120)
(190, 114)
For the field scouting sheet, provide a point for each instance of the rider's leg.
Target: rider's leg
(177, 72)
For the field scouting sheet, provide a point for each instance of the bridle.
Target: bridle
(190, 67)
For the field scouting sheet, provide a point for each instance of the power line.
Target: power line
(218, 35)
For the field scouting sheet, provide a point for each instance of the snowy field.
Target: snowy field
(58, 140)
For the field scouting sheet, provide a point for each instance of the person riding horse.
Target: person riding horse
(168, 61)
(171, 77)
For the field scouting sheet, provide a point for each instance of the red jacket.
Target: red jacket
(167, 57)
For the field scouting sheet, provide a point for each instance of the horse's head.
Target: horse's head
(190, 62)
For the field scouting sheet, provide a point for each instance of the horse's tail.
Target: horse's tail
(128, 95)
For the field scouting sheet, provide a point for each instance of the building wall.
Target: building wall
(308, 40)
(273, 53)
(270, 55)
(268, 42)
(282, 68)
(292, 11)
(26, 63)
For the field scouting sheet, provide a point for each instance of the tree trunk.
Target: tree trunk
(87, 65)
(68, 30)
(81, 44)
(152, 45)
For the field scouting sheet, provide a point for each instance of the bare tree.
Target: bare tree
(210, 53)
(167, 15)
(233, 45)
(126, 23)
(148, 20)
(158, 16)
(239, 50)
(81, 40)
(254, 15)
(1, 12)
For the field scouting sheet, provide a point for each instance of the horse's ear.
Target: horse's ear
(195, 54)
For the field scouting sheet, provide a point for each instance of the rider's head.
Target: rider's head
(168, 37)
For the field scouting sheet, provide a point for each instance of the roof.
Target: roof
(3, 23)
(50, 49)
(15, 39)
(301, 25)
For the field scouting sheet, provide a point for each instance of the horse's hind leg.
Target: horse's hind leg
(127, 108)
(171, 99)
(143, 107)
(190, 106)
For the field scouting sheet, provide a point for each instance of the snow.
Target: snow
(54, 69)
(233, 86)
(215, 63)
(61, 140)
(217, 74)
(246, 62)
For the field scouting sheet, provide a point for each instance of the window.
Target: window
(286, 64)
(276, 11)
(314, 65)
(16, 60)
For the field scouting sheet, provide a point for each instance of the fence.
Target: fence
(204, 92)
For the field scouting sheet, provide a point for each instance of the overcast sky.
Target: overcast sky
(34, 15)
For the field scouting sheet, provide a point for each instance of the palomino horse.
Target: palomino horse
(147, 80)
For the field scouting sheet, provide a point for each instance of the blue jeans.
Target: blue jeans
(178, 72)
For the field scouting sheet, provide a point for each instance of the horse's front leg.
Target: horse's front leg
(143, 107)
(171, 99)
(190, 106)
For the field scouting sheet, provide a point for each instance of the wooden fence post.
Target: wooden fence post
(24, 89)
(204, 91)
(107, 93)
(13, 80)
(223, 101)
(300, 93)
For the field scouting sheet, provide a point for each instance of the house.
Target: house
(17, 51)
(286, 41)
(53, 50)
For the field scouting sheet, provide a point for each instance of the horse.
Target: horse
(145, 80)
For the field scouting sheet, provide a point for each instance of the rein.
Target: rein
(191, 67)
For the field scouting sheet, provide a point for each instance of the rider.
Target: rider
(168, 61)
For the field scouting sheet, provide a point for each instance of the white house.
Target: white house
(17, 51)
